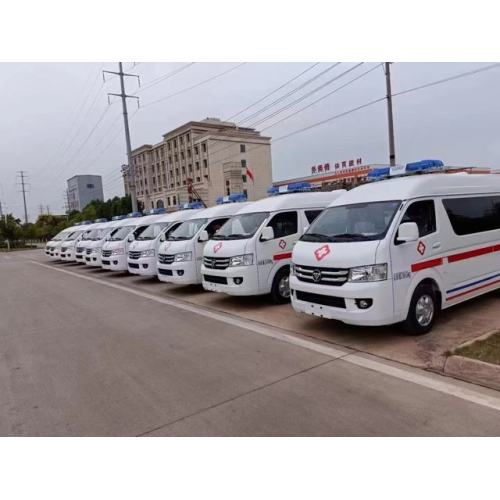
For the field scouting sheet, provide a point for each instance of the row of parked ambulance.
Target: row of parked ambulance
(422, 239)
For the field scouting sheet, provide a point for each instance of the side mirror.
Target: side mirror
(162, 237)
(130, 238)
(267, 234)
(203, 236)
(407, 232)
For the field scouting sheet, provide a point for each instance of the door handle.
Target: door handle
(436, 245)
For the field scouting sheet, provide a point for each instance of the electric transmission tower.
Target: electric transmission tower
(123, 95)
(22, 176)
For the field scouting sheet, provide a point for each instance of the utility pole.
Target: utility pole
(392, 151)
(23, 190)
(48, 210)
(124, 97)
(1, 211)
(41, 209)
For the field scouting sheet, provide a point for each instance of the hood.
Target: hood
(227, 248)
(111, 245)
(141, 245)
(171, 247)
(343, 255)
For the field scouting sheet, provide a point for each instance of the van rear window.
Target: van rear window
(473, 214)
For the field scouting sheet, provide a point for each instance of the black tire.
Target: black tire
(422, 312)
(280, 291)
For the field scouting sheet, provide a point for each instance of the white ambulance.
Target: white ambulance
(143, 251)
(68, 245)
(251, 253)
(53, 247)
(96, 239)
(180, 256)
(401, 249)
(115, 248)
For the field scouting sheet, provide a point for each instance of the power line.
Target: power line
(321, 98)
(449, 79)
(186, 89)
(305, 96)
(162, 78)
(291, 92)
(272, 92)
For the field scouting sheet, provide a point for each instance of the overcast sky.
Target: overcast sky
(55, 120)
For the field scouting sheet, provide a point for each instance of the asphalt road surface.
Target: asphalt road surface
(84, 352)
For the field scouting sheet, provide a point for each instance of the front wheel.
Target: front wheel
(422, 312)
(280, 291)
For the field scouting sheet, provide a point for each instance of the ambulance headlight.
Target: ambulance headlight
(242, 260)
(183, 256)
(117, 251)
(363, 274)
(148, 253)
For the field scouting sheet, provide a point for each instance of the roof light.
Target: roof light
(377, 174)
(156, 211)
(424, 166)
(191, 206)
(232, 198)
(118, 217)
(294, 187)
(101, 220)
(132, 215)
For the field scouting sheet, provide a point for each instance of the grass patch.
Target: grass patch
(487, 350)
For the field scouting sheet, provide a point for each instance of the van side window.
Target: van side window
(215, 225)
(311, 215)
(473, 215)
(284, 224)
(423, 213)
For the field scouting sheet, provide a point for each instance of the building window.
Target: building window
(196, 150)
(204, 147)
(205, 163)
(90, 186)
(187, 137)
(243, 164)
(242, 148)
(183, 183)
(168, 200)
(190, 168)
(175, 143)
(182, 155)
(189, 153)
(174, 200)
(198, 179)
(197, 165)
(176, 157)
(169, 145)
(181, 140)
(183, 170)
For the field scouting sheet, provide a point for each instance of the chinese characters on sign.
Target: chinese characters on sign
(325, 167)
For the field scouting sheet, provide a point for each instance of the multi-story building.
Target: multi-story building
(202, 160)
(82, 189)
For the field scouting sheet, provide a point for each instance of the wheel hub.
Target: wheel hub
(424, 310)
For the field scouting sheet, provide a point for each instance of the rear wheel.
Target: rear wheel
(422, 312)
(280, 291)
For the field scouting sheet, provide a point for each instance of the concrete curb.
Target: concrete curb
(473, 370)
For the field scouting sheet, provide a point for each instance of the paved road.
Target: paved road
(82, 354)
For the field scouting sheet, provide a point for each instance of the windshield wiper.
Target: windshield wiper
(351, 236)
(315, 237)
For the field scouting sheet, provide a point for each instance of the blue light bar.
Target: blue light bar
(101, 220)
(232, 198)
(378, 174)
(294, 187)
(425, 166)
(132, 215)
(85, 222)
(156, 211)
(118, 217)
(191, 206)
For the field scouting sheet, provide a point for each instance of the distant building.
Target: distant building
(201, 160)
(82, 189)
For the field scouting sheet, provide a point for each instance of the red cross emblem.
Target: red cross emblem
(321, 252)
(421, 248)
(282, 244)
(217, 247)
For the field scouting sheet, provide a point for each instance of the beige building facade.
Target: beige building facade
(200, 161)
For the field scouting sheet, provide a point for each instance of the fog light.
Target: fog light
(145, 266)
(364, 303)
(115, 262)
(238, 281)
(180, 273)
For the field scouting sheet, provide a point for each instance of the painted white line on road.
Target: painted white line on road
(431, 381)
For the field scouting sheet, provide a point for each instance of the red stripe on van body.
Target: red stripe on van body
(281, 256)
(473, 253)
(419, 266)
(461, 294)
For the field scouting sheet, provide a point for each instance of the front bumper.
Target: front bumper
(344, 297)
(143, 266)
(182, 273)
(223, 281)
(114, 263)
(68, 255)
(94, 260)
